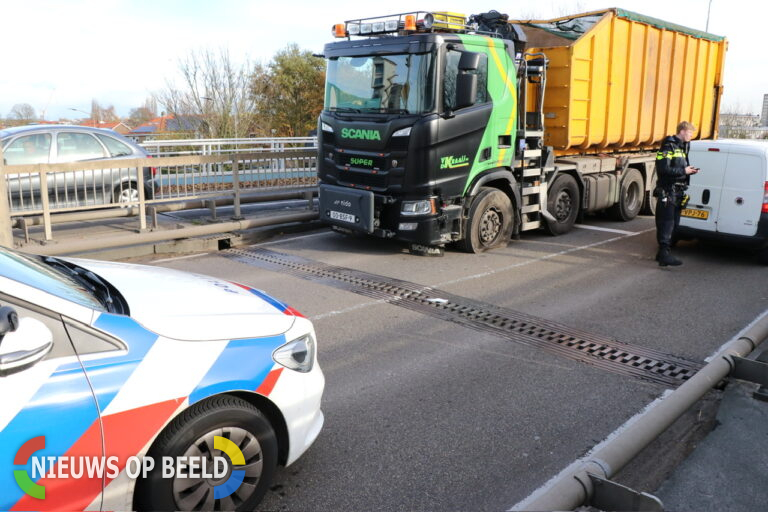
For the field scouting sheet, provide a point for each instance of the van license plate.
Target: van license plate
(346, 217)
(695, 214)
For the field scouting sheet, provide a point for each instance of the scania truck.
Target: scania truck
(439, 128)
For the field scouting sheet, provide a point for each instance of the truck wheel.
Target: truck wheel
(192, 434)
(490, 221)
(649, 204)
(631, 196)
(563, 203)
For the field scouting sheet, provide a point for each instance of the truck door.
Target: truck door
(742, 195)
(461, 134)
(705, 187)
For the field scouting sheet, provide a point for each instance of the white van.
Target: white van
(729, 196)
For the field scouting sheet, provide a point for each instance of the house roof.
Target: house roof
(108, 126)
(168, 124)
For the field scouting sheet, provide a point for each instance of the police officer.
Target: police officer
(672, 174)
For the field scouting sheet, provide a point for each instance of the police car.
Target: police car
(107, 368)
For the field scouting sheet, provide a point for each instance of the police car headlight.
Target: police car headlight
(297, 355)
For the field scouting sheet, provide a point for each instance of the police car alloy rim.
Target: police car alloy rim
(198, 493)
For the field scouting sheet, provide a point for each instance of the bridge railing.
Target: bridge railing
(46, 189)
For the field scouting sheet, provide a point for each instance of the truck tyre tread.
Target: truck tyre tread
(491, 216)
(563, 202)
(631, 196)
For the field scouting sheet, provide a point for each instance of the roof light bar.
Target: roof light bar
(417, 21)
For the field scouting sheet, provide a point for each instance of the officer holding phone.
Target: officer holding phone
(672, 177)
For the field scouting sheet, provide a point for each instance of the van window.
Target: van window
(28, 150)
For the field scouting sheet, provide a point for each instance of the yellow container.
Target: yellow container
(449, 20)
(621, 81)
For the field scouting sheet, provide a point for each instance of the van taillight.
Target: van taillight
(765, 198)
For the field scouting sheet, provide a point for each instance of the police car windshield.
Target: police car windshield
(31, 270)
(392, 84)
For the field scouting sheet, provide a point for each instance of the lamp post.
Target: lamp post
(83, 112)
(708, 10)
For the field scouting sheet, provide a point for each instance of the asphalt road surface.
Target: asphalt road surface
(423, 413)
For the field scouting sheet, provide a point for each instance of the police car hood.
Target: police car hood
(186, 306)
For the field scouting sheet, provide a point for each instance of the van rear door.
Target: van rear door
(743, 190)
(705, 187)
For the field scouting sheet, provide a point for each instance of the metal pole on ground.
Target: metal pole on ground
(573, 487)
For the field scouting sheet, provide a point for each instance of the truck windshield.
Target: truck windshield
(380, 83)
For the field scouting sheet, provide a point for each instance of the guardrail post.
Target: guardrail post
(46, 206)
(6, 230)
(142, 200)
(236, 185)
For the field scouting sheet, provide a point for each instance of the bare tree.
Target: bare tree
(23, 112)
(213, 98)
(289, 91)
(143, 114)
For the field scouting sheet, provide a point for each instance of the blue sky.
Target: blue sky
(62, 54)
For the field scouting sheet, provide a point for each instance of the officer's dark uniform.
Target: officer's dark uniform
(671, 161)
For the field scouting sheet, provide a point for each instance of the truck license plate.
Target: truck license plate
(346, 217)
(695, 214)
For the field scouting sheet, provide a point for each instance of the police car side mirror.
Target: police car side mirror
(24, 346)
(9, 320)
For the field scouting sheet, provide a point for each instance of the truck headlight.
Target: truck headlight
(421, 207)
(297, 355)
(402, 132)
(326, 127)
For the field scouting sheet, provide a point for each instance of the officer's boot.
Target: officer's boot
(665, 258)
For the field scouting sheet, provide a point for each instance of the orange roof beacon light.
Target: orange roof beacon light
(410, 22)
(340, 30)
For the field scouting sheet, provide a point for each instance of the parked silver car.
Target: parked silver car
(42, 144)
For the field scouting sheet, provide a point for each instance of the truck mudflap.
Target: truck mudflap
(347, 208)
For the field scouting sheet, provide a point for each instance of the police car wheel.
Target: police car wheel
(241, 485)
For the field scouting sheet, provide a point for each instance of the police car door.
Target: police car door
(47, 409)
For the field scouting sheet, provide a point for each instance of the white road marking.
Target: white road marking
(607, 230)
(187, 257)
(313, 235)
(522, 505)
(543, 258)
(283, 240)
(485, 274)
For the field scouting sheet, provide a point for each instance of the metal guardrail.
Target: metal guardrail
(225, 146)
(43, 189)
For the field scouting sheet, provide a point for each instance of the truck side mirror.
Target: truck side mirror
(469, 61)
(466, 90)
(466, 80)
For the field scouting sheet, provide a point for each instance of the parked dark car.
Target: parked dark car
(43, 144)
